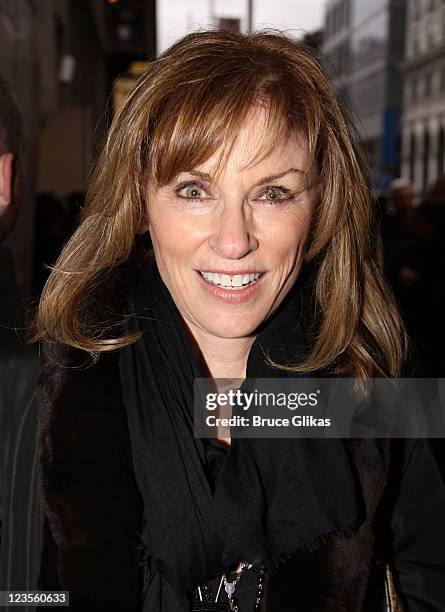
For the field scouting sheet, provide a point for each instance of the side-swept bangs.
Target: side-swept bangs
(206, 115)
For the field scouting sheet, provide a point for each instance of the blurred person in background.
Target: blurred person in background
(11, 313)
(432, 249)
(407, 233)
(228, 232)
(436, 197)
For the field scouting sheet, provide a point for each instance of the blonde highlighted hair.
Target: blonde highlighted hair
(191, 103)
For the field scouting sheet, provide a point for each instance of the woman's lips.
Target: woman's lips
(234, 295)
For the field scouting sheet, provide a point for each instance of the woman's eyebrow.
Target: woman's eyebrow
(267, 179)
(274, 177)
(202, 175)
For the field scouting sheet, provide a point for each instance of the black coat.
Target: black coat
(72, 523)
(11, 311)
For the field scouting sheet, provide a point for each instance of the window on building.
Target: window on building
(343, 14)
(429, 37)
(427, 86)
(425, 159)
(415, 44)
(442, 79)
(440, 151)
(347, 12)
(346, 57)
(337, 17)
(340, 59)
(412, 157)
(414, 88)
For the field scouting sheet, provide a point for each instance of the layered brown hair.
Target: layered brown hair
(191, 103)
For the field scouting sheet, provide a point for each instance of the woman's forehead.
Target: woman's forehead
(254, 150)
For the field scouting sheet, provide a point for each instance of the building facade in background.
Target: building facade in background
(60, 58)
(423, 122)
(176, 19)
(364, 45)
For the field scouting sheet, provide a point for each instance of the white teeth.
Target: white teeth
(225, 280)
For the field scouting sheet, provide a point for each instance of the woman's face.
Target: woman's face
(229, 251)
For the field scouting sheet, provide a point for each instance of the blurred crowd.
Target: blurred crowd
(413, 239)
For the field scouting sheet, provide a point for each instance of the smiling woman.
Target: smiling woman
(228, 232)
(230, 249)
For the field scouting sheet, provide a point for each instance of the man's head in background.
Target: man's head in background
(401, 196)
(10, 156)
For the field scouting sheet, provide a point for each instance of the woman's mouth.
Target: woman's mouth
(231, 288)
(229, 281)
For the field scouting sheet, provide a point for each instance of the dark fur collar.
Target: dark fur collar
(92, 506)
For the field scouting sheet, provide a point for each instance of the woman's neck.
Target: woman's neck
(223, 357)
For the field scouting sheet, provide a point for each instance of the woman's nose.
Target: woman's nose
(232, 236)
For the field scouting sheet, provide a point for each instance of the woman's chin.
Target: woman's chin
(230, 328)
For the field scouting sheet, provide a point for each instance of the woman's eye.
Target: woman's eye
(275, 194)
(191, 191)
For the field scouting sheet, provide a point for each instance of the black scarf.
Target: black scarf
(273, 497)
